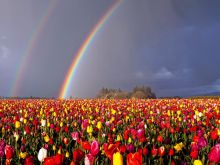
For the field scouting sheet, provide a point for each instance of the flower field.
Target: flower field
(132, 132)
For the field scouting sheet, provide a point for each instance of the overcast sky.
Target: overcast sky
(171, 45)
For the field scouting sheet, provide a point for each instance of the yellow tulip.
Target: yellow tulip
(129, 140)
(178, 147)
(113, 111)
(126, 118)
(99, 125)
(16, 137)
(197, 113)
(46, 138)
(118, 138)
(112, 119)
(197, 162)
(114, 130)
(17, 124)
(168, 112)
(48, 124)
(89, 129)
(25, 121)
(67, 155)
(22, 155)
(117, 159)
(3, 130)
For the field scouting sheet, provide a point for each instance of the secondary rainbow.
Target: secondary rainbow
(82, 50)
(30, 48)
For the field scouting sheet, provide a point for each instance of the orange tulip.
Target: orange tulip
(134, 159)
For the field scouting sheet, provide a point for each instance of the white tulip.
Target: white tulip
(43, 122)
(200, 114)
(21, 119)
(42, 154)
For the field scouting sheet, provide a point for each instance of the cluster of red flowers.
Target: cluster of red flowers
(97, 131)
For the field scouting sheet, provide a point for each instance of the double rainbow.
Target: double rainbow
(32, 43)
(82, 50)
(76, 58)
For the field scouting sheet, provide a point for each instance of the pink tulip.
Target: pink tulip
(202, 142)
(140, 133)
(94, 148)
(89, 159)
(85, 124)
(2, 148)
(75, 135)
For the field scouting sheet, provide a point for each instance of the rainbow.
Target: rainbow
(31, 46)
(82, 50)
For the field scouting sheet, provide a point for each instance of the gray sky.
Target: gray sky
(172, 46)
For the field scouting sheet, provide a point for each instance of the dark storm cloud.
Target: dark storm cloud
(159, 43)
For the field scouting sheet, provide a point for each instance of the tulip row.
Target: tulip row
(100, 131)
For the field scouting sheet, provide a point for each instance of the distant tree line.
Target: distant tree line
(138, 92)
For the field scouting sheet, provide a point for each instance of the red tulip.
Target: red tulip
(160, 139)
(122, 149)
(49, 161)
(154, 151)
(65, 141)
(29, 160)
(194, 146)
(214, 154)
(134, 159)
(78, 154)
(54, 160)
(133, 133)
(126, 134)
(86, 145)
(214, 135)
(161, 151)
(171, 152)
(140, 150)
(94, 148)
(59, 158)
(66, 129)
(27, 130)
(194, 154)
(172, 162)
(57, 129)
(110, 149)
(196, 138)
(172, 131)
(9, 151)
(145, 151)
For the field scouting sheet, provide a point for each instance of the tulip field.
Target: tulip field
(116, 132)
